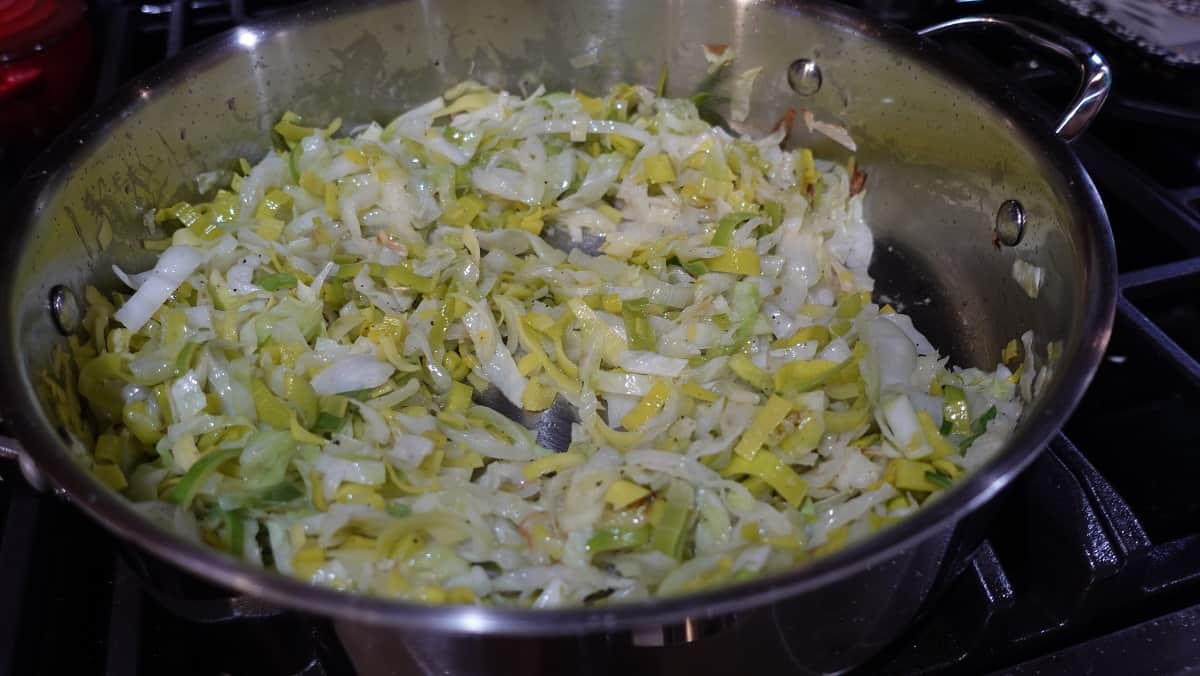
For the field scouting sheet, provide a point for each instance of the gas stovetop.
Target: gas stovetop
(1093, 562)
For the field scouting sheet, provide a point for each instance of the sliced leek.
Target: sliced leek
(299, 378)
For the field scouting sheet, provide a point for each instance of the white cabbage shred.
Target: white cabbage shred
(297, 379)
(1029, 276)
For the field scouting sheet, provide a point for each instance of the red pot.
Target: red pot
(45, 63)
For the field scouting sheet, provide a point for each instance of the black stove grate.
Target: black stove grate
(1093, 564)
(141, 35)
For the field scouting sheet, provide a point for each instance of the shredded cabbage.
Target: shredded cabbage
(1029, 276)
(298, 380)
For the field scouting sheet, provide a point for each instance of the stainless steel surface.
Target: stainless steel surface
(10, 449)
(1095, 75)
(943, 147)
(869, 605)
(687, 631)
(64, 310)
(30, 471)
(551, 428)
(1010, 223)
(804, 77)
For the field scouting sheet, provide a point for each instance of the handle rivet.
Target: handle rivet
(1010, 223)
(804, 77)
(64, 310)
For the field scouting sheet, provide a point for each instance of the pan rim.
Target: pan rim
(118, 515)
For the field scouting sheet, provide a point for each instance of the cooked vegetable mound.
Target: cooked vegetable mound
(314, 376)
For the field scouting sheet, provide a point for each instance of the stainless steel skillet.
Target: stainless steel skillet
(948, 152)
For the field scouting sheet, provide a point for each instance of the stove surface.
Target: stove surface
(1092, 565)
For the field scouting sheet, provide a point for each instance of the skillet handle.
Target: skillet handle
(11, 449)
(1095, 74)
